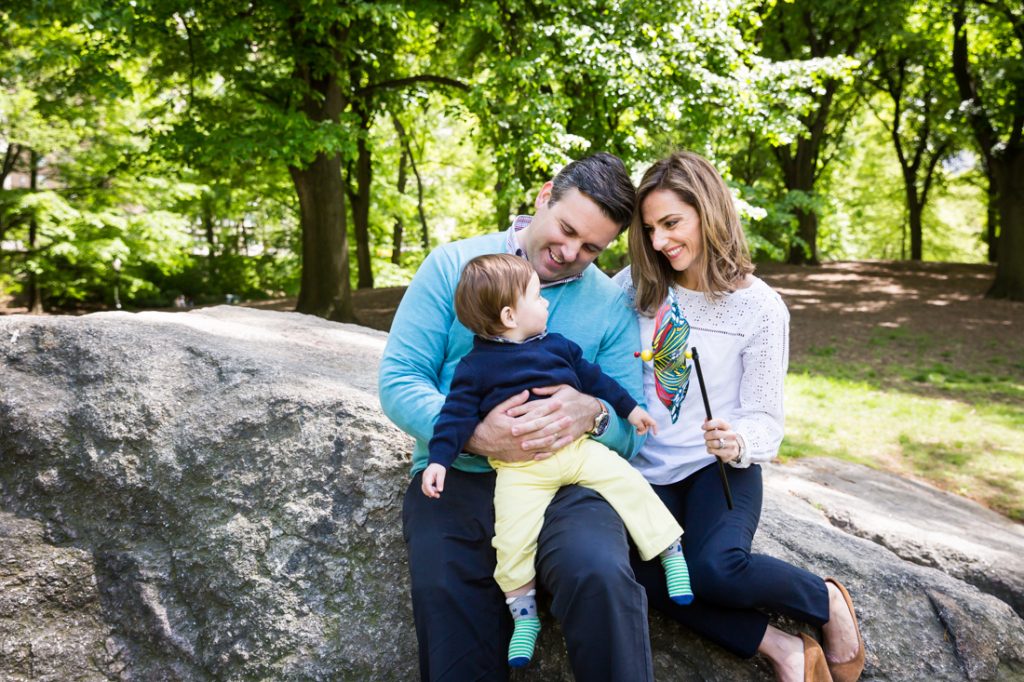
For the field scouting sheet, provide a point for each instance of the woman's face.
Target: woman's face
(673, 227)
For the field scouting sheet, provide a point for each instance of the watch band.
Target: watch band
(600, 421)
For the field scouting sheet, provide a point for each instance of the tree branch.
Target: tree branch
(983, 131)
(404, 140)
(10, 158)
(403, 82)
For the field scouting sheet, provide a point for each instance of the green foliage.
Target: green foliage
(865, 213)
(167, 135)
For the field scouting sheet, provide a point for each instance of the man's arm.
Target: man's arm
(615, 357)
(410, 369)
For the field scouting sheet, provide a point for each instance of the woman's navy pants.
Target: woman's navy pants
(733, 588)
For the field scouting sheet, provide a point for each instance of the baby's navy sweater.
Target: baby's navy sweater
(494, 371)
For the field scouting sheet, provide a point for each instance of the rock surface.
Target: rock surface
(215, 495)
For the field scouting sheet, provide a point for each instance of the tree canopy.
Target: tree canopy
(189, 151)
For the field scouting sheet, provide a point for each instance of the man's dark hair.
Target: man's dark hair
(603, 178)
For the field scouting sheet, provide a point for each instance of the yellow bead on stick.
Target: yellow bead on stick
(688, 354)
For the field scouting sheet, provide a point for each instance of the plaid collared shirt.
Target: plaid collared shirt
(512, 247)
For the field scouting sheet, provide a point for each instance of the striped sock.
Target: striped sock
(527, 627)
(677, 575)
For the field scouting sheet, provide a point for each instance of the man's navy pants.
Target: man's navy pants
(462, 623)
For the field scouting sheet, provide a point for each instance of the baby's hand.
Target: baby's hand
(642, 421)
(432, 484)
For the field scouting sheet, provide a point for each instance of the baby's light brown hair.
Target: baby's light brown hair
(488, 284)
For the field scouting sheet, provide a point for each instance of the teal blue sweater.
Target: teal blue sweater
(427, 341)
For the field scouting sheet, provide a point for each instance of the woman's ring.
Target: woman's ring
(721, 443)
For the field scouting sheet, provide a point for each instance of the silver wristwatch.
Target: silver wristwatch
(600, 422)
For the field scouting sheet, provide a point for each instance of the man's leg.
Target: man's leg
(583, 561)
(462, 624)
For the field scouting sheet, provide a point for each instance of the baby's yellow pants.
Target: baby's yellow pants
(524, 490)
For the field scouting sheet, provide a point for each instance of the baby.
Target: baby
(498, 298)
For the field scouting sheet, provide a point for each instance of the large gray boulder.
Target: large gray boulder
(215, 495)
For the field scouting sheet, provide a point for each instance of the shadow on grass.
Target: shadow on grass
(795, 448)
(925, 379)
(973, 469)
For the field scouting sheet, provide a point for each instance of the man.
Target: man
(462, 624)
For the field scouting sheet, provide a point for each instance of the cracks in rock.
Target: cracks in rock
(925, 559)
(949, 632)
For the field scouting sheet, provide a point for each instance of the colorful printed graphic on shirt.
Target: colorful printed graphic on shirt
(671, 371)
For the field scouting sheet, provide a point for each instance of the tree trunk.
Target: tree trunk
(992, 221)
(34, 292)
(396, 237)
(1009, 171)
(798, 173)
(325, 289)
(807, 230)
(360, 198)
(915, 211)
(425, 231)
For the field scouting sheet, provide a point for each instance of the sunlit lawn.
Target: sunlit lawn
(963, 432)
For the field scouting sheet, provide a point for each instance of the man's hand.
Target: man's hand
(554, 422)
(432, 483)
(517, 430)
(493, 436)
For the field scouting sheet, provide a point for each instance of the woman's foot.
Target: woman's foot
(844, 648)
(815, 667)
(785, 652)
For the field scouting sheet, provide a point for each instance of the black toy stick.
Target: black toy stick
(707, 411)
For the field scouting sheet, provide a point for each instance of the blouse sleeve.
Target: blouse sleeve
(765, 359)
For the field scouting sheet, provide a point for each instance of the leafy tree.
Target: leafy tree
(988, 64)
(912, 70)
(288, 83)
(70, 126)
(816, 30)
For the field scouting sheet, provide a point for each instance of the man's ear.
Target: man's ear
(544, 195)
(508, 317)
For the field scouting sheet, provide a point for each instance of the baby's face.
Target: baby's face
(531, 310)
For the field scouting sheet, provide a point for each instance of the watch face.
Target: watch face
(600, 424)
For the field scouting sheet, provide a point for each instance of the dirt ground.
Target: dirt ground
(913, 312)
(842, 308)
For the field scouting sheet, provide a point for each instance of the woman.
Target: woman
(689, 248)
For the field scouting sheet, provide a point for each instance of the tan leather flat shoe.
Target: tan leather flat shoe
(848, 671)
(815, 665)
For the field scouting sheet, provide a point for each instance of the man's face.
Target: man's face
(564, 238)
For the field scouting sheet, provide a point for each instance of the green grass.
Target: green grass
(964, 434)
(910, 372)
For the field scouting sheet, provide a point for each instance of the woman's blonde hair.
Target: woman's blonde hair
(724, 259)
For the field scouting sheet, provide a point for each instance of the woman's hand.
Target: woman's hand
(721, 440)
